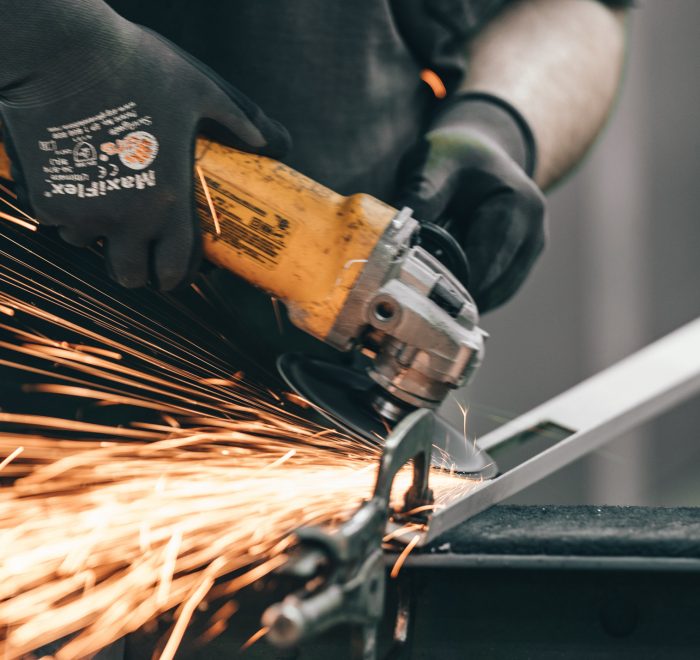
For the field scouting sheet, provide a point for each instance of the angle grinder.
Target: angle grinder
(351, 272)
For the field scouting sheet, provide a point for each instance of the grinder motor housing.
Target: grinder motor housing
(347, 269)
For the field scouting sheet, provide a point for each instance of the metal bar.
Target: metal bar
(597, 410)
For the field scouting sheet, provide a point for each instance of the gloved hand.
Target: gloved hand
(470, 174)
(102, 117)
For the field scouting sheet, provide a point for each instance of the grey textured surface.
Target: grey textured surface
(608, 531)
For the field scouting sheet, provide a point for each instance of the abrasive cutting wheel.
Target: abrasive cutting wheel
(350, 399)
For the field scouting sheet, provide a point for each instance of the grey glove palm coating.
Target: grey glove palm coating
(101, 118)
(470, 173)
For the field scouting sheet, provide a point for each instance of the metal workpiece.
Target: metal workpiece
(347, 565)
(580, 420)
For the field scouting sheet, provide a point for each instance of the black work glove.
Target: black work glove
(470, 174)
(102, 117)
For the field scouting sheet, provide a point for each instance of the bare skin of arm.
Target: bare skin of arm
(559, 63)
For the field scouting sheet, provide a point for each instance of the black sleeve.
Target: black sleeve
(47, 36)
(436, 31)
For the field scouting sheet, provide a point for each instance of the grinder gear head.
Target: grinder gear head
(418, 326)
(414, 318)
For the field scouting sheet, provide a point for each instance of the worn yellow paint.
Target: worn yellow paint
(282, 232)
(287, 234)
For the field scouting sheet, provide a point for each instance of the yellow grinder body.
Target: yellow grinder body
(286, 233)
(282, 232)
(347, 268)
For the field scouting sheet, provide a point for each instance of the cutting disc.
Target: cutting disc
(344, 395)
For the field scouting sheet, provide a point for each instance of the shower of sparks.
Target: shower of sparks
(106, 526)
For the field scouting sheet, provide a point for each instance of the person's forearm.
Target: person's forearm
(559, 63)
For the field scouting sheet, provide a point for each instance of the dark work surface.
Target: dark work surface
(506, 614)
(588, 531)
(554, 610)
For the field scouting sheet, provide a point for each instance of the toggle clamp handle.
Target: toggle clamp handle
(349, 561)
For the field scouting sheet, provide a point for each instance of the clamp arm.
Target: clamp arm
(349, 561)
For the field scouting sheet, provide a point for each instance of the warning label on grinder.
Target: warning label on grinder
(255, 232)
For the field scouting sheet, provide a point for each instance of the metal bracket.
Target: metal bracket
(348, 563)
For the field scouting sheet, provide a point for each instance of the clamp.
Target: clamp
(347, 564)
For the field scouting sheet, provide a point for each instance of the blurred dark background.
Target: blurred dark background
(622, 269)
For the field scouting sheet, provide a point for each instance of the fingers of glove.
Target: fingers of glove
(127, 261)
(505, 287)
(495, 234)
(429, 189)
(232, 118)
(177, 253)
(505, 237)
(76, 236)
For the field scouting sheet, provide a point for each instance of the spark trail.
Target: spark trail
(141, 473)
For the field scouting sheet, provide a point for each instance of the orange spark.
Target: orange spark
(255, 637)
(434, 82)
(210, 202)
(278, 315)
(223, 382)
(5, 189)
(8, 459)
(404, 555)
(296, 399)
(401, 531)
(189, 606)
(17, 221)
(112, 355)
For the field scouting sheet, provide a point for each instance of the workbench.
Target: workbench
(540, 582)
